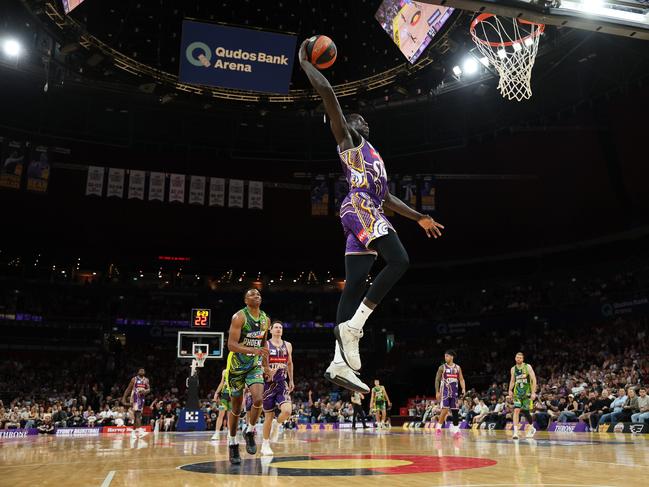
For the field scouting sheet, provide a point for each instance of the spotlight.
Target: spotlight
(11, 47)
(470, 66)
(457, 71)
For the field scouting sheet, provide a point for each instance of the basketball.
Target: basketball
(321, 51)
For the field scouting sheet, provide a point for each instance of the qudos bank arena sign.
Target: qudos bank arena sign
(232, 57)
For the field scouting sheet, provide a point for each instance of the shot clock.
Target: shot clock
(201, 318)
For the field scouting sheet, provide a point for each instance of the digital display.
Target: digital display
(70, 5)
(412, 25)
(200, 318)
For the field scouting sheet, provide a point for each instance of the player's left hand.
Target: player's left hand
(430, 226)
(389, 405)
(533, 396)
(291, 386)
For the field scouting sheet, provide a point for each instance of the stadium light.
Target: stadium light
(592, 5)
(457, 71)
(11, 47)
(470, 65)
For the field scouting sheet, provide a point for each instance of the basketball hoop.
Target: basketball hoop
(200, 358)
(511, 49)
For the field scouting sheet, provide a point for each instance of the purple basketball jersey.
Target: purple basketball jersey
(278, 360)
(137, 395)
(449, 386)
(365, 171)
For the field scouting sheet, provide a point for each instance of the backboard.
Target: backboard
(211, 342)
(629, 18)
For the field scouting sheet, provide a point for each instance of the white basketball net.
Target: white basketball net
(200, 358)
(511, 48)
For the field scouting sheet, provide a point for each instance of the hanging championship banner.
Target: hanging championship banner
(95, 181)
(38, 171)
(408, 191)
(256, 195)
(217, 192)
(341, 188)
(136, 181)
(235, 198)
(392, 188)
(115, 183)
(427, 192)
(320, 196)
(197, 190)
(13, 163)
(177, 188)
(157, 186)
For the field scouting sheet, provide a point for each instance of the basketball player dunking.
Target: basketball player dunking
(522, 389)
(449, 376)
(247, 345)
(134, 396)
(367, 230)
(278, 386)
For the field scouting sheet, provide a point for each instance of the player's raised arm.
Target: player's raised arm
(332, 107)
(234, 334)
(430, 226)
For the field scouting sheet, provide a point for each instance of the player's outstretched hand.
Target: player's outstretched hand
(430, 226)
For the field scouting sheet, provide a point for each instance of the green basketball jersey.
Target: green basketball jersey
(252, 335)
(378, 394)
(522, 384)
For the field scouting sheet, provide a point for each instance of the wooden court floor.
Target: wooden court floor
(393, 458)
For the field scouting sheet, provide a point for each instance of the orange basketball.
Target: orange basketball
(321, 51)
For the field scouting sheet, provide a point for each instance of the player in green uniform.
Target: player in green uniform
(222, 400)
(247, 358)
(522, 389)
(377, 403)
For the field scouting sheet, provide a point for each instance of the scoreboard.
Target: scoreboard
(200, 318)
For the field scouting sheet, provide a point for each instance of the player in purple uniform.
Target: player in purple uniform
(134, 395)
(449, 376)
(278, 386)
(368, 232)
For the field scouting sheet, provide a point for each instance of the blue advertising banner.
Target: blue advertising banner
(231, 57)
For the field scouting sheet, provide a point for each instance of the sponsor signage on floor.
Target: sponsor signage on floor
(19, 433)
(122, 429)
(78, 432)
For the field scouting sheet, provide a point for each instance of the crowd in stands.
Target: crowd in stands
(595, 375)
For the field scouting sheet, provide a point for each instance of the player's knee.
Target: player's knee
(257, 402)
(400, 261)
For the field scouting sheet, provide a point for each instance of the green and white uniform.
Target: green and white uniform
(379, 398)
(522, 388)
(244, 369)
